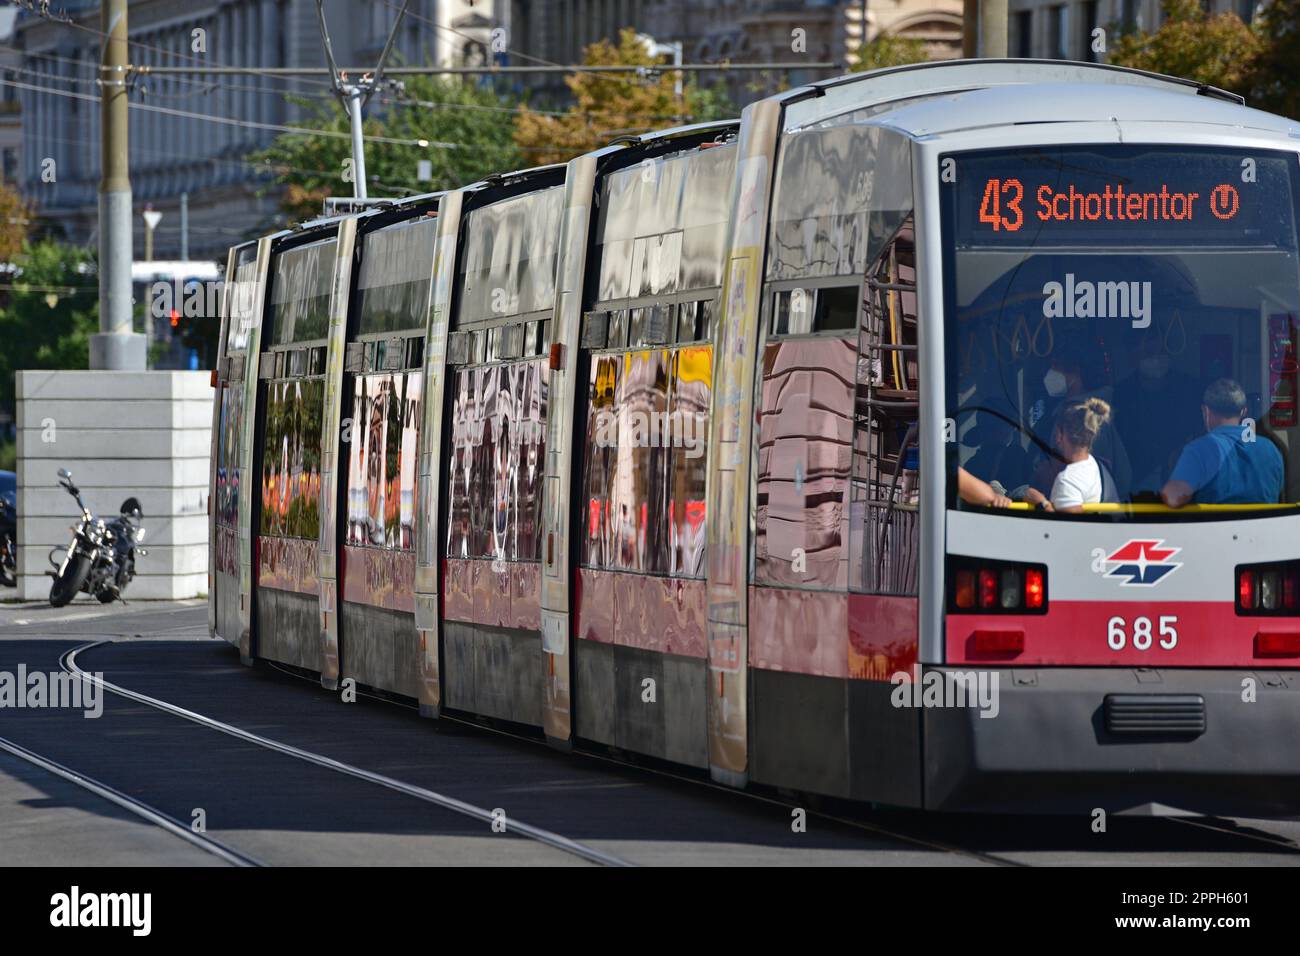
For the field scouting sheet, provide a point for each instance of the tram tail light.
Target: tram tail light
(964, 596)
(996, 587)
(1034, 590)
(1270, 644)
(1269, 589)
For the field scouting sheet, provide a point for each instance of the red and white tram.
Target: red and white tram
(660, 449)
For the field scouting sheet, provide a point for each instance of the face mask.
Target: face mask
(1154, 366)
(1055, 383)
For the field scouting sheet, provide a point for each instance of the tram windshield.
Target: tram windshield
(1121, 330)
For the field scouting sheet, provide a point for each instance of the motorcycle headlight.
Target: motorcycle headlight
(139, 534)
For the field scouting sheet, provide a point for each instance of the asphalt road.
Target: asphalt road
(442, 783)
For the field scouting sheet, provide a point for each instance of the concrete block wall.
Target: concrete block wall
(121, 434)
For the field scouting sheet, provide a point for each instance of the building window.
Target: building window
(1246, 10)
(1128, 16)
(1025, 34)
(1086, 52)
(1059, 32)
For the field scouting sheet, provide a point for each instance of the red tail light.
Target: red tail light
(965, 593)
(1033, 589)
(1268, 644)
(996, 587)
(1246, 590)
(999, 642)
(1269, 590)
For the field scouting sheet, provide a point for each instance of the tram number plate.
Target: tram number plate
(1143, 634)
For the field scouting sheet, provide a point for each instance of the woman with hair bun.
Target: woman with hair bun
(1079, 482)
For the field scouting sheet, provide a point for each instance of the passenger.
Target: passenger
(973, 491)
(1156, 415)
(1079, 483)
(1227, 465)
(1066, 382)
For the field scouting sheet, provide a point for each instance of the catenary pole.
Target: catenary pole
(117, 346)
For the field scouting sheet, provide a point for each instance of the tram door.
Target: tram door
(382, 408)
(228, 471)
(497, 382)
(290, 409)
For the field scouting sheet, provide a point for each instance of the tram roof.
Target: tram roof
(1042, 103)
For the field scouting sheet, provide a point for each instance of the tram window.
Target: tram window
(804, 438)
(708, 314)
(616, 337)
(595, 327)
(688, 402)
(458, 348)
(884, 527)
(544, 338)
(381, 468)
(837, 309)
(792, 312)
(291, 452)
(601, 461)
(638, 319)
(686, 318)
(496, 465)
(415, 352)
(480, 350)
(530, 339)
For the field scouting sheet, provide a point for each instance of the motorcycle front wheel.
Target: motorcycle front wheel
(69, 581)
(8, 567)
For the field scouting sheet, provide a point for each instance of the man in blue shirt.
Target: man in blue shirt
(1222, 467)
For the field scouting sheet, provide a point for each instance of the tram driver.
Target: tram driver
(1230, 463)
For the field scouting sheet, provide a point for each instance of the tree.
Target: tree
(469, 129)
(1276, 83)
(15, 219)
(48, 314)
(886, 50)
(1219, 50)
(608, 105)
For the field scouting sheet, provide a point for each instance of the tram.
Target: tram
(665, 449)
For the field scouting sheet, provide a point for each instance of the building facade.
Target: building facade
(193, 134)
(1052, 29)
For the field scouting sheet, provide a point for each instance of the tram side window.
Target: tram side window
(805, 432)
(497, 462)
(291, 454)
(643, 482)
(885, 536)
(381, 473)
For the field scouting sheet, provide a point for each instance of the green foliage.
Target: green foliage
(887, 50)
(1219, 50)
(468, 126)
(49, 314)
(609, 105)
(1275, 76)
(8, 456)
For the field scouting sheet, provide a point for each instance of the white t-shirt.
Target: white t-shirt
(1078, 483)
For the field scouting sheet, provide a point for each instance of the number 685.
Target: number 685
(1117, 633)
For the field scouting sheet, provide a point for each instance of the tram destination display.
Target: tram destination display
(1134, 195)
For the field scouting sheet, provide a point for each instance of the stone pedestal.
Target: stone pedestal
(121, 434)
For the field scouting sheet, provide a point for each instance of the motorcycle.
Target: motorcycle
(8, 543)
(100, 559)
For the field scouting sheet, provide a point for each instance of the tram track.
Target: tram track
(68, 662)
(892, 832)
(133, 805)
(876, 830)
